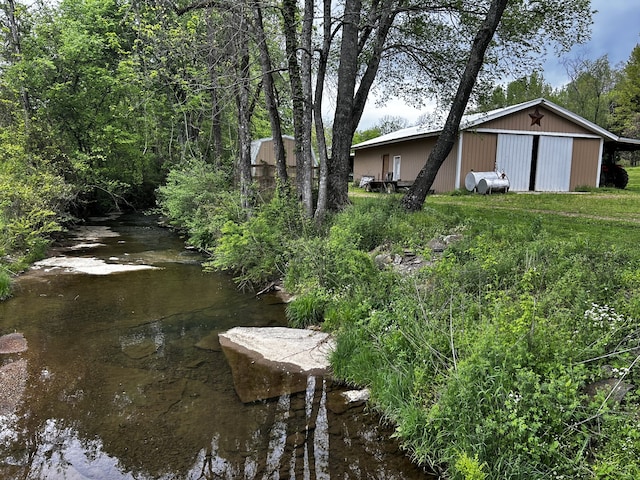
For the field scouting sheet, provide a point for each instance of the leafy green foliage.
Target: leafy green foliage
(5, 284)
(256, 250)
(483, 362)
(33, 202)
(197, 200)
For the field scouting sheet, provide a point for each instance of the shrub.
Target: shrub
(5, 285)
(307, 309)
(257, 251)
(196, 200)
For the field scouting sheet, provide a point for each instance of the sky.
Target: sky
(615, 31)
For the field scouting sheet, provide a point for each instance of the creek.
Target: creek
(124, 377)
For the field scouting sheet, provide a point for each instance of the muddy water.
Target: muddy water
(127, 381)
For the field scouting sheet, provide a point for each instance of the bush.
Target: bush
(307, 309)
(196, 200)
(5, 285)
(257, 251)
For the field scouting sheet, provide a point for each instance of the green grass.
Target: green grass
(634, 179)
(5, 285)
(482, 362)
(607, 217)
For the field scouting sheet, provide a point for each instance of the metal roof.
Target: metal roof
(471, 121)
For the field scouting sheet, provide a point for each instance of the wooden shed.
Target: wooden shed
(540, 146)
(263, 160)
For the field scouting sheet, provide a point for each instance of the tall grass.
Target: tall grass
(5, 285)
(484, 357)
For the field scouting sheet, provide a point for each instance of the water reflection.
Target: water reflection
(124, 379)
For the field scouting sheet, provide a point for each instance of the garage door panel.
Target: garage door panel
(513, 156)
(553, 172)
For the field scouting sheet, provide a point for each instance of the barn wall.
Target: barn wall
(584, 169)
(368, 162)
(478, 153)
(413, 154)
(551, 122)
(267, 156)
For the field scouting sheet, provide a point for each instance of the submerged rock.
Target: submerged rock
(267, 362)
(13, 380)
(13, 343)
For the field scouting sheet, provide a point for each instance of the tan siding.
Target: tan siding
(478, 153)
(584, 168)
(521, 121)
(367, 163)
(446, 178)
(267, 156)
(413, 155)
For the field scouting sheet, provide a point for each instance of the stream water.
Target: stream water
(125, 378)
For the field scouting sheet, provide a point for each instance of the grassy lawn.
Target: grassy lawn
(605, 216)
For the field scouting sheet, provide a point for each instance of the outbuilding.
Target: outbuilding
(263, 160)
(538, 145)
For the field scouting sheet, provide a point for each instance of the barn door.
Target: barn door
(513, 156)
(553, 173)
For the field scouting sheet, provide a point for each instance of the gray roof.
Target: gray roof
(471, 121)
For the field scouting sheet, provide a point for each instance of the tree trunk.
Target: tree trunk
(243, 101)
(270, 96)
(216, 110)
(349, 102)
(321, 206)
(289, 20)
(306, 181)
(415, 197)
(338, 164)
(16, 48)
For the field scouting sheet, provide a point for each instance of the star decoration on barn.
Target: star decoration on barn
(536, 117)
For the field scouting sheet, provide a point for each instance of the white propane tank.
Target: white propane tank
(491, 185)
(473, 178)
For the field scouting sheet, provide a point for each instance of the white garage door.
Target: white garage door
(513, 155)
(553, 173)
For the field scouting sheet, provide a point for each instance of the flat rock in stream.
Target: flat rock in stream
(90, 266)
(13, 343)
(267, 362)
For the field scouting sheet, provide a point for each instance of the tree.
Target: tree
(518, 91)
(587, 91)
(626, 98)
(414, 198)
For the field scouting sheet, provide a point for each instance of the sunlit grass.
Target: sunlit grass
(606, 216)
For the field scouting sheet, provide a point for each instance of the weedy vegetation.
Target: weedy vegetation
(513, 354)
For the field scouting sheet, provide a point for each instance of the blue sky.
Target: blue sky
(615, 31)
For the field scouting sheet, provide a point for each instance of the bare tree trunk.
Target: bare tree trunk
(306, 181)
(16, 48)
(289, 18)
(321, 207)
(216, 110)
(243, 101)
(415, 197)
(349, 102)
(337, 179)
(270, 96)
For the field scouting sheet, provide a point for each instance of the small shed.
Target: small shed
(539, 145)
(263, 159)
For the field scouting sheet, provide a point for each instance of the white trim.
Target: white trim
(546, 134)
(600, 162)
(397, 163)
(470, 121)
(459, 162)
